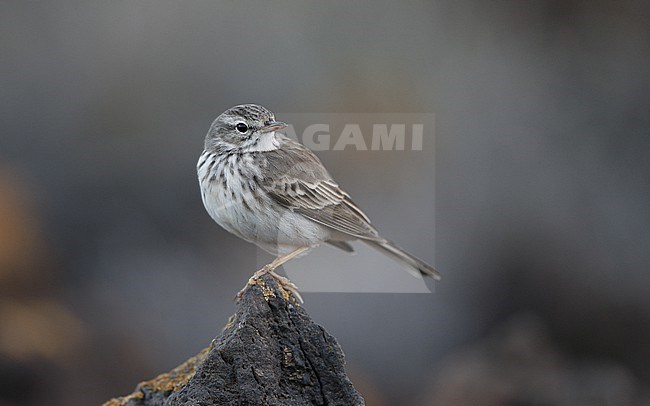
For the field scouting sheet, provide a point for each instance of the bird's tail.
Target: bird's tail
(388, 247)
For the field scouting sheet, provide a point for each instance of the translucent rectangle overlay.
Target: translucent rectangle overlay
(396, 152)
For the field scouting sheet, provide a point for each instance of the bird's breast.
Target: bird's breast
(234, 199)
(227, 192)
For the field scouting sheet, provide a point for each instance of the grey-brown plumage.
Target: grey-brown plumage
(274, 192)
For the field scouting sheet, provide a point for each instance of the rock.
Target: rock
(270, 353)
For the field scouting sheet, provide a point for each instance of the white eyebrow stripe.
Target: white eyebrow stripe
(232, 121)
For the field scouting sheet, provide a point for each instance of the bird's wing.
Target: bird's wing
(301, 183)
(324, 203)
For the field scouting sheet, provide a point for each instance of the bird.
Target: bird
(274, 192)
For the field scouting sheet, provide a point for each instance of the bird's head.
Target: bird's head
(246, 127)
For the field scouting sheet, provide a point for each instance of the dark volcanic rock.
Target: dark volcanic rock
(270, 353)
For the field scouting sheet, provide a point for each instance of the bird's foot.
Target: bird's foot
(285, 283)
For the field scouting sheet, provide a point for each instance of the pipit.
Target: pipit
(274, 192)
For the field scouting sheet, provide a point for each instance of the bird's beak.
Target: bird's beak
(273, 126)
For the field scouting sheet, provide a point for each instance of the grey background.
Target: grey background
(112, 272)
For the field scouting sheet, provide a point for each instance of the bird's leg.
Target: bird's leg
(285, 258)
(270, 270)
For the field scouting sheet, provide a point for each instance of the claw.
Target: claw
(285, 283)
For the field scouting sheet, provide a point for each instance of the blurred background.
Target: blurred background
(111, 272)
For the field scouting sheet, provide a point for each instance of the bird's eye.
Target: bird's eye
(241, 127)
